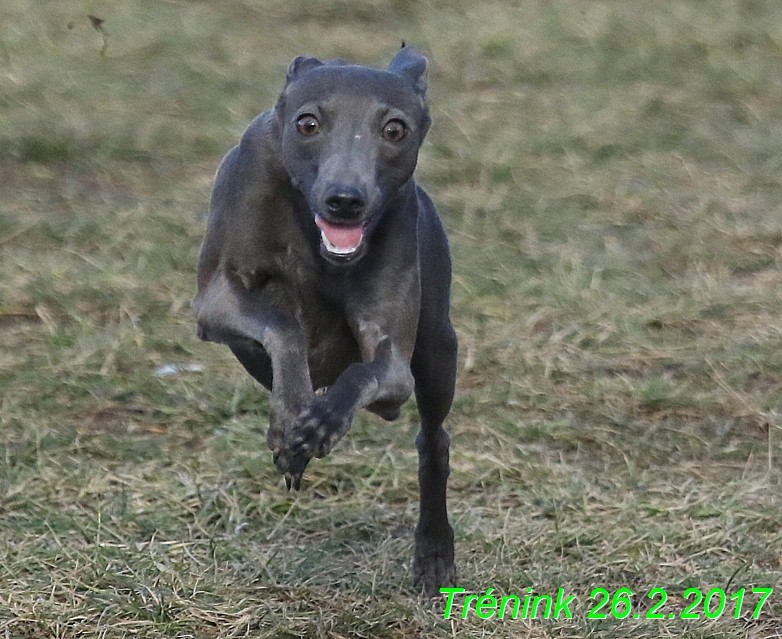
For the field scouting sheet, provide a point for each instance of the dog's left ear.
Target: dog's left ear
(300, 65)
(410, 64)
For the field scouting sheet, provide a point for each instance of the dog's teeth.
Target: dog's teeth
(336, 250)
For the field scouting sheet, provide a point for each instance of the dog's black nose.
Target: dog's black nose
(345, 203)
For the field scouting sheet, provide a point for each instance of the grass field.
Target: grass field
(610, 174)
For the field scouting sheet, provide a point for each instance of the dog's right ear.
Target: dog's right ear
(410, 64)
(301, 65)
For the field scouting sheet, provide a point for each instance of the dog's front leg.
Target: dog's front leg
(231, 315)
(382, 384)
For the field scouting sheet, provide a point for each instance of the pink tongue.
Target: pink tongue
(342, 237)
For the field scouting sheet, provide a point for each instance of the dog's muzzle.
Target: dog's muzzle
(342, 228)
(341, 240)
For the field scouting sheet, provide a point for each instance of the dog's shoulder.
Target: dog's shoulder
(432, 238)
(248, 158)
(248, 190)
(425, 203)
(250, 170)
(261, 134)
(259, 148)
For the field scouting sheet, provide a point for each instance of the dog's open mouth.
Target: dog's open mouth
(340, 239)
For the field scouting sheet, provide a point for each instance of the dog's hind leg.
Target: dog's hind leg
(434, 369)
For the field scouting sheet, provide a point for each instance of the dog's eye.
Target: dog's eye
(307, 125)
(394, 130)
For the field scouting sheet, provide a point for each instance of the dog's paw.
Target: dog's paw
(291, 465)
(434, 567)
(313, 434)
(319, 428)
(283, 420)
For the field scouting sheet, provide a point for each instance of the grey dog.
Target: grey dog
(326, 270)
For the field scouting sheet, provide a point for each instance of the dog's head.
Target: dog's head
(350, 137)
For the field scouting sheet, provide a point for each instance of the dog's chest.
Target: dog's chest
(318, 305)
(331, 344)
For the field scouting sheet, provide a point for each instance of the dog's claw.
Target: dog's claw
(293, 481)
